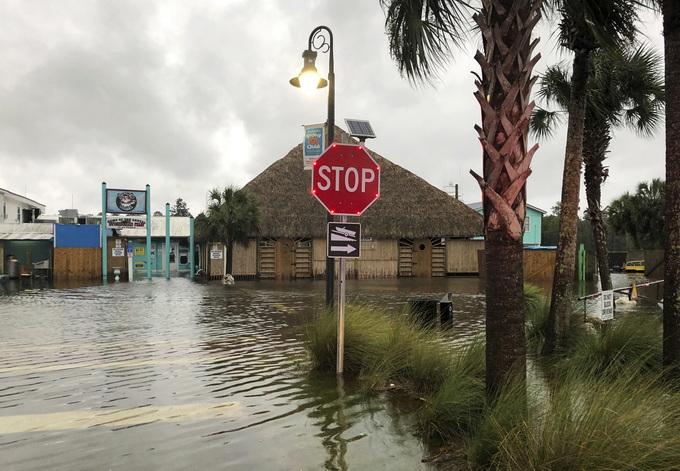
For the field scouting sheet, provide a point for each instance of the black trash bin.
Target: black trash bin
(425, 310)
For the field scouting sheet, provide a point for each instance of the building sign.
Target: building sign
(139, 251)
(607, 305)
(313, 144)
(118, 252)
(125, 222)
(126, 201)
(215, 255)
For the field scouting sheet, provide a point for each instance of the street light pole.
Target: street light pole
(321, 39)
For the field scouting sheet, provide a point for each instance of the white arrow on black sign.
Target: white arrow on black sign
(343, 240)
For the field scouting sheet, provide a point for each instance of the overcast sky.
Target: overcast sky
(187, 96)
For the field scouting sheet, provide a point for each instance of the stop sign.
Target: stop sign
(346, 180)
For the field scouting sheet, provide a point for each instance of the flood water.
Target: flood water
(180, 375)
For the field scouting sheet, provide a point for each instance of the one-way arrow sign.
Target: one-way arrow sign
(343, 240)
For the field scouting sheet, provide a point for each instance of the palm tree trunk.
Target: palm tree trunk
(503, 92)
(671, 305)
(596, 139)
(230, 257)
(563, 281)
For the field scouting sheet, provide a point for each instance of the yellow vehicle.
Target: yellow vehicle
(634, 266)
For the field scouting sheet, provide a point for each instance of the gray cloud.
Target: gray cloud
(190, 95)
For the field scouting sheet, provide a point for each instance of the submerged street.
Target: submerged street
(179, 375)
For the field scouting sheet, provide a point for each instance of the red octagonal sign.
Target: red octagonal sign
(346, 180)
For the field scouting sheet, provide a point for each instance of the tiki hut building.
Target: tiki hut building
(414, 229)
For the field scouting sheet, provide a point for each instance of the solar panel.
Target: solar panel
(360, 128)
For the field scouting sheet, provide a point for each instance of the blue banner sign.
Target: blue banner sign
(313, 144)
(126, 201)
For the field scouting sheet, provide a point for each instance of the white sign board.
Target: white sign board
(125, 222)
(607, 305)
(118, 252)
(215, 255)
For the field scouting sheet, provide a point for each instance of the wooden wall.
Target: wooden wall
(539, 265)
(215, 267)
(379, 259)
(245, 259)
(77, 264)
(461, 255)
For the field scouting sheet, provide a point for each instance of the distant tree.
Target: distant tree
(233, 215)
(158, 213)
(641, 215)
(180, 208)
(550, 226)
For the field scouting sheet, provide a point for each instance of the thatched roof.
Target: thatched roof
(408, 207)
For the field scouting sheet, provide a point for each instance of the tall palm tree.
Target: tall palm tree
(232, 217)
(625, 87)
(421, 34)
(585, 26)
(671, 305)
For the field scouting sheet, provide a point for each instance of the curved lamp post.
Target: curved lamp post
(321, 39)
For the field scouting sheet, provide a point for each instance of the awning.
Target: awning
(25, 236)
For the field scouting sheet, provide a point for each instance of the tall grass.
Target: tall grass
(380, 347)
(632, 341)
(589, 423)
(457, 405)
(598, 411)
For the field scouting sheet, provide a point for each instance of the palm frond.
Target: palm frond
(587, 25)
(543, 122)
(422, 32)
(555, 86)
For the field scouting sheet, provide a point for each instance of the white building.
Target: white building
(17, 209)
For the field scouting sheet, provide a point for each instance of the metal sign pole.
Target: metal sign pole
(341, 314)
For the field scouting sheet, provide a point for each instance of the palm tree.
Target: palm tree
(671, 305)
(232, 217)
(585, 26)
(641, 215)
(421, 34)
(625, 88)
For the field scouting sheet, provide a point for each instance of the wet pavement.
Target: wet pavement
(179, 375)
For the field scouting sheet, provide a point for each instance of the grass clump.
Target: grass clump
(457, 405)
(593, 423)
(381, 347)
(633, 341)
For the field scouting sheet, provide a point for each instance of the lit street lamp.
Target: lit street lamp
(321, 39)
